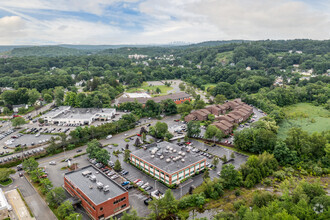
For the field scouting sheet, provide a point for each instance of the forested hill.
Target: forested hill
(46, 51)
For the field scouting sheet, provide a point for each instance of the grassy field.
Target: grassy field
(145, 87)
(306, 116)
(224, 57)
(209, 85)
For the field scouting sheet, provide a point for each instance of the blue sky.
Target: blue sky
(159, 21)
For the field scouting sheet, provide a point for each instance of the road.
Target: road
(37, 205)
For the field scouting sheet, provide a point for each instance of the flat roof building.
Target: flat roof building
(168, 162)
(100, 196)
(178, 98)
(82, 116)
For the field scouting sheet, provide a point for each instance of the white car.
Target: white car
(52, 163)
(140, 183)
(109, 137)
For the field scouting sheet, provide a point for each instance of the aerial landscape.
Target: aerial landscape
(164, 110)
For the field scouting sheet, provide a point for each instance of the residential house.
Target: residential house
(190, 117)
(201, 114)
(237, 119)
(17, 107)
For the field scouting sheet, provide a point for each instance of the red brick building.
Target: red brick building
(168, 162)
(100, 196)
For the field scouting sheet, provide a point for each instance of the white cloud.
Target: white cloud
(162, 21)
(10, 27)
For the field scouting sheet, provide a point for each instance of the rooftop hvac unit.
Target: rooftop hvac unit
(183, 154)
(152, 156)
(91, 186)
(171, 148)
(174, 159)
(182, 160)
(92, 178)
(168, 160)
(86, 172)
(161, 157)
(179, 152)
(174, 151)
(168, 147)
(106, 188)
(99, 185)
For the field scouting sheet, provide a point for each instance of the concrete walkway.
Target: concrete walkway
(18, 205)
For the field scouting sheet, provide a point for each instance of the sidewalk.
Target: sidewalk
(18, 205)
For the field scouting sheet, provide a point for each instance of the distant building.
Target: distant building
(17, 107)
(4, 206)
(82, 116)
(100, 196)
(178, 98)
(137, 56)
(168, 162)
(136, 95)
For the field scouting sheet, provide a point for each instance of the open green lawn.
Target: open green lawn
(209, 85)
(144, 88)
(224, 57)
(306, 116)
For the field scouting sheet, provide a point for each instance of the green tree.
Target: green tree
(159, 130)
(56, 196)
(193, 128)
(182, 86)
(70, 99)
(127, 154)
(58, 95)
(65, 209)
(230, 177)
(74, 216)
(6, 110)
(219, 99)
(199, 104)
(117, 166)
(170, 203)
(48, 98)
(46, 185)
(30, 165)
(284, 155)
(92, 148)
(132, 215)
(34, 95)
(215, 161)
(18, 121)
(206, 174)
(158, 90)
(4, 173)
(212, 132)
(169, 107)
(102, 156)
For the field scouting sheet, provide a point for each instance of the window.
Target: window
(123, 206)
(101, 209)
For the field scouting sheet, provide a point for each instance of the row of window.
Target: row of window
(119, 200)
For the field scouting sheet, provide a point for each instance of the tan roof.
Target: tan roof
(234, 116)
(228, 124)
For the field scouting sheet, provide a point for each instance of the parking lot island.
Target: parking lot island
(100, 196)
(168, 162)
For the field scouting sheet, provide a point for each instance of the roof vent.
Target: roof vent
(91, 186)
(183, 154)
(152, 156)
(168, 160)
(182, 160)
(174, 151)
(161, 157)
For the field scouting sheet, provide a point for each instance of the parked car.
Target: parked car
(125, 183)
(79, 150)
(52, 163)
(147, 201)
(140, 183)
(136, 181)
(128, 187)
(109, 137)
(114, 177)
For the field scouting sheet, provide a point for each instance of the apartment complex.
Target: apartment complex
(227, 114)
(168, 162)
(100, 196)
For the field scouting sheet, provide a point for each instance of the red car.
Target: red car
(138, 135)
(136, 181)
